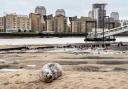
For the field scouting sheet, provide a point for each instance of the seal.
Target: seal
(50, 72)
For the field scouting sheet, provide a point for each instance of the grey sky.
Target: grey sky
(72, 7)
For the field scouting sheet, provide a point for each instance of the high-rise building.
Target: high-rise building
(95, 15)
(80, 25)
(35, 22)
(23, 23)
(57, 24)
(42, 11)
(60, 12)
(90, 14)
(50, 23)
(76, 26)
(115, 16)
(73, 24)
(17, 23)
(60, 23)
(86, 25)
(98, 13)
(1, 24)
(11, 23)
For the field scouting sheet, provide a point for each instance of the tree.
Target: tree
(30, 30)
(25, 30)
(19, 30)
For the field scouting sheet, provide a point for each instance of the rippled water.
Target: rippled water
(55, 40)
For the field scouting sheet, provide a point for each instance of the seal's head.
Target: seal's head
(47, 75)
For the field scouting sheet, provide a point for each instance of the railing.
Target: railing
(111, 32)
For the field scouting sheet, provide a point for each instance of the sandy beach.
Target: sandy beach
(108, 70)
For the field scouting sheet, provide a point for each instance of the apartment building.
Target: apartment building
(81, 25)
(2, 24)
(35, 22)
(17, 23)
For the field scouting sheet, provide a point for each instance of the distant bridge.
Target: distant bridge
(109, 33)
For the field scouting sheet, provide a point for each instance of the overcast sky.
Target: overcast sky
(72, 7)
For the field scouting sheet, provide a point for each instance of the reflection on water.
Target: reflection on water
(55, 40)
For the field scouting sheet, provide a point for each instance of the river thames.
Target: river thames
(54, 40)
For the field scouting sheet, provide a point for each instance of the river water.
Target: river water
(55, 40)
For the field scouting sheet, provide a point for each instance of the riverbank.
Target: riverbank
(34, 34)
